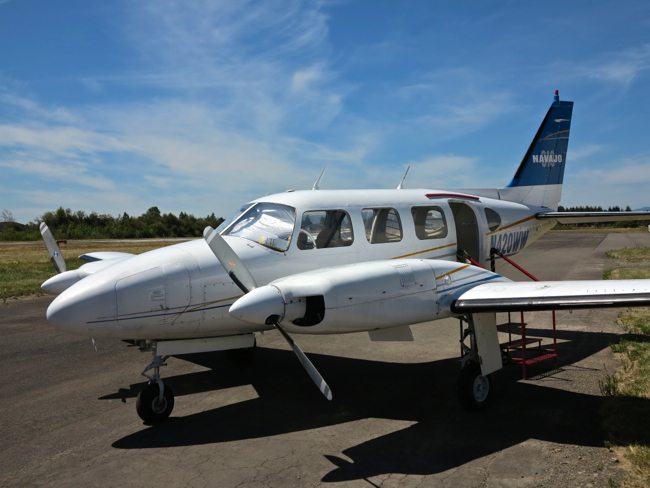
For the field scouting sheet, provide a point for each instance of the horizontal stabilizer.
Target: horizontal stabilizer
(592, 217)
(553, 295)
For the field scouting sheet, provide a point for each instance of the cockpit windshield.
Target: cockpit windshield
(269, 224)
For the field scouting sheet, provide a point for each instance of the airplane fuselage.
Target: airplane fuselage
(182, 291)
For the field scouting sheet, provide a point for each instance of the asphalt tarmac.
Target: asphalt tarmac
(67, 413)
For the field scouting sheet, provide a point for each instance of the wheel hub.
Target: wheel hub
(159, 406)
(481, 388)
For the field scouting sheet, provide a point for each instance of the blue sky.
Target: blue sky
(199, 106)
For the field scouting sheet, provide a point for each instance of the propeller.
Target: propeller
(53, 249)
(242, 277)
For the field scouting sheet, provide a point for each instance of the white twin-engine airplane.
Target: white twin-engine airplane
(334, 262)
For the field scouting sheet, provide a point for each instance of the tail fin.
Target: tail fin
(538, 180)
(53, 249)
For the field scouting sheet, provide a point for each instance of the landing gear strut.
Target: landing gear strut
(155, 401)
(473, 388)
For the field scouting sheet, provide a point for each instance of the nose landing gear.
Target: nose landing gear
(155, 401)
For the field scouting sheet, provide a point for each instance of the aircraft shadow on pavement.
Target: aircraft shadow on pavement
(443, 436)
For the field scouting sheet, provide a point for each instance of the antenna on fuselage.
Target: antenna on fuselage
(400, 187)
(317, 184)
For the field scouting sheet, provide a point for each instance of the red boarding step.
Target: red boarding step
(518, 343)
(536, 359)
(509, 326)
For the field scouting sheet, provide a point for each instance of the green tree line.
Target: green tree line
(68, 224)
(587, 208)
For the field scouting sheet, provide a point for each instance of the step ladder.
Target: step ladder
(528, 355)
(539, 353)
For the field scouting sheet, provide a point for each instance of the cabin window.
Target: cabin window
(269, 224)
(429, 222)
(325, 228)
(382, 225)
(493, 219)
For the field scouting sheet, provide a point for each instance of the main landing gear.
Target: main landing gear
(155, 401)
(473, 388)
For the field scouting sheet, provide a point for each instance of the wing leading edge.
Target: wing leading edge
(105, 256)
(552, 295)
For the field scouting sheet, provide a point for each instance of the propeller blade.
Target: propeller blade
(53, 249)
(306, 363)
(239, 273)
(234, 266)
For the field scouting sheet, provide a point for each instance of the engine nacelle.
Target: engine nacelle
(351, 298)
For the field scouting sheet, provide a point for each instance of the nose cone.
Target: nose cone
(81, 309)
(258, 305)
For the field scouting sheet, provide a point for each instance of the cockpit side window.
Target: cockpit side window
(429, 222)
(382, 225)
(325, 228)
(493, 219)
(269, 224)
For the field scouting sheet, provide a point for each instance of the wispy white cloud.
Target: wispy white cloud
(442, 171)
(456, 101)
(584, 151)
(620, 69)
(65, 140)
(244, 101)
(622, 172)
(92, 85)
(48, 172)
(623, 67)
(30, 106)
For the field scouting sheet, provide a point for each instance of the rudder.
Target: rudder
(538, 180)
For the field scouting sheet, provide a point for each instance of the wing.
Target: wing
(103, 256)
(592, 217)
(552, 295)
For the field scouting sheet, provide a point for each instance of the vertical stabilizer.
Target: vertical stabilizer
(538, 180)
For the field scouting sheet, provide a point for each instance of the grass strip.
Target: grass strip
(631, 255)
(627, 274)
(626, 408)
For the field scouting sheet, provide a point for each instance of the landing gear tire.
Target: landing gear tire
(149, 407)
(474, 389)
(244, 355)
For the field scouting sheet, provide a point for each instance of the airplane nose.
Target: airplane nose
(81, 310)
